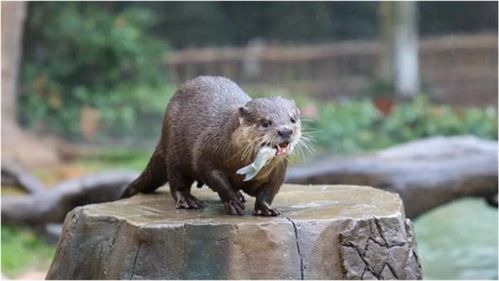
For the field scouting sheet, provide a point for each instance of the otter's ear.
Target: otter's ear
(243, 113)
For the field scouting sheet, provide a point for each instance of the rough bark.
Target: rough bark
(425, 173)
(325, 232)
(51, 206)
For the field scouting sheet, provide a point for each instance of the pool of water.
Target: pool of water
(459, 241)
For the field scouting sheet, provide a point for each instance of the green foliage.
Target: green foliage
(22, 249)
(83, 55)
(355, 126)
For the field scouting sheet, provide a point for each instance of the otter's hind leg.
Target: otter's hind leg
(180, 188)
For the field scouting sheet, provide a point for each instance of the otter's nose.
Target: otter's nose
(285, 132)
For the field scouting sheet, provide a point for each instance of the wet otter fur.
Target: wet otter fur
(210, 130)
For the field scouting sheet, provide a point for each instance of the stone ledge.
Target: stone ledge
(325, 232)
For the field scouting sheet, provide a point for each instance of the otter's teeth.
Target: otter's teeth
(282, 149)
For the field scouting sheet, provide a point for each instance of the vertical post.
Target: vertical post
(251, 67)
(406, 50)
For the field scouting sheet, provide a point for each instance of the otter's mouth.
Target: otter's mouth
(282, 148)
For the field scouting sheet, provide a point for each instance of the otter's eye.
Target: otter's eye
(265, 123)
(293, 120)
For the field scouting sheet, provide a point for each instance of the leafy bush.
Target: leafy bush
(81, 55)
(354, 126)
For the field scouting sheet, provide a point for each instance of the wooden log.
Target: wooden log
(324, 232)
(425, 173)
(15, 175)
(51, 206)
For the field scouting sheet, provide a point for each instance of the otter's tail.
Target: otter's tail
(153, 176)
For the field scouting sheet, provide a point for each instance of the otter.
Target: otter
(211, 129)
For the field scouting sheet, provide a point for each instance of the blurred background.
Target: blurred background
(85, 86)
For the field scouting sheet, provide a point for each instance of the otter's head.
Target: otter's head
(273, 122)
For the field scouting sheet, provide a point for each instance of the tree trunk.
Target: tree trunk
(13, 14)
(17, 145)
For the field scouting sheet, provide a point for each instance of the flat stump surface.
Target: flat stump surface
(324, 232)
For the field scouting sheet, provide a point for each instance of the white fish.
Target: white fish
(263, 156)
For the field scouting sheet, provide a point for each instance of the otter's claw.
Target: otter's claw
(187, 201)
(234, 207)
(268, 212)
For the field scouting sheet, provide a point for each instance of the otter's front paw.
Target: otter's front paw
(187, 201)
(234, 207)
(266, 212)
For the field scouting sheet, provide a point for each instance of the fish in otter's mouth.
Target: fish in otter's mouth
(263, 156)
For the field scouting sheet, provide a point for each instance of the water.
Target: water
(459, 241)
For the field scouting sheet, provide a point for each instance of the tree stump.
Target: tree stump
(324, 232)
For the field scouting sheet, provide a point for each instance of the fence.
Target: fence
(455, 69)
